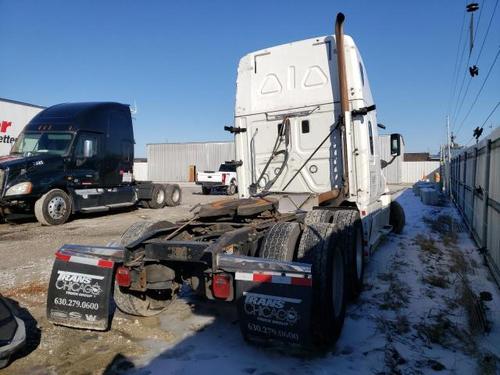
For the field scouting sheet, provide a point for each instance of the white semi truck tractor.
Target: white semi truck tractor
(290, 251)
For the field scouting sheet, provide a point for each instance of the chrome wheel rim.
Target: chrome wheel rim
(176, 195)
(160, 197)
(56, 208)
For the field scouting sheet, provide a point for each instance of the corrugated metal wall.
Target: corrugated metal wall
(393, 171)
(474, 184)
(141, 171)
(399, 171)
(169, 162)
(413, 171)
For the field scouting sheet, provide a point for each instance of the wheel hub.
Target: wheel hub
(160, 197)
(56, 208)
(175, 196)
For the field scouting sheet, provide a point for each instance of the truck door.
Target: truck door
(119, 153)
(87, 164)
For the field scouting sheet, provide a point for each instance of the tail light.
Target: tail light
(223, 178)
(221, 286)
(123, 276)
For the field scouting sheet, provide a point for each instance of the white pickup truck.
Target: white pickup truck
(225, 179)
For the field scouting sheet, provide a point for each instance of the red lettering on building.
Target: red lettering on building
(4, 125)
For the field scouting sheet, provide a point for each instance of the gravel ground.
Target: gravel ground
(27, 252)
(385, 332)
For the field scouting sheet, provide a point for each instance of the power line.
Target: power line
(459, 108)
(485, 121)
(487, 31)
(456, 111)
(491, 114)
(454, 77)
(477, 59)
(479, 92)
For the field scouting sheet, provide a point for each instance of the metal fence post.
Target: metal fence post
(474, 171)
(486, 195)
(464, 208)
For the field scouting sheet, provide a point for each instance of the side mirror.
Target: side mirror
(395, 144)
(88, 148)
(381, 126)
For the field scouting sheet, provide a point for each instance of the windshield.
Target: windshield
(227, 168)
(37, 142)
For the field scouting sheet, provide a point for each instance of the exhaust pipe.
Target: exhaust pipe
(344, 100)
(339, 41)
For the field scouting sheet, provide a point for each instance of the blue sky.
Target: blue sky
(178, 60)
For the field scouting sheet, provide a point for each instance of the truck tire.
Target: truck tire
(231, 189)
(319, 244)
(173, 195)
(397, 217)
(53, 208)
(350, 240)
(157, 197)
(281, 241)
(206, 190)
(318, 216)
(149, 303)
(141, 228)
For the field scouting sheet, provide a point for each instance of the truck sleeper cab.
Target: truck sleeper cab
(75, 157)
(312, 205)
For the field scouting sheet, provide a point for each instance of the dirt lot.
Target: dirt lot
(27, 252)
(413, 317)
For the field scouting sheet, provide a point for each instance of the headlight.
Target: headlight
(20, 189)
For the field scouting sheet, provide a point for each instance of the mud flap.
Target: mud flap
(81, 285)
(275, 307)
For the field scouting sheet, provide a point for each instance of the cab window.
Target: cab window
(89, 142)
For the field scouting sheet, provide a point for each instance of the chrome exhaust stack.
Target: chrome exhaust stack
(339, 41)
(344, 100)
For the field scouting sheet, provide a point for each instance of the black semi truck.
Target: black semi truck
(76, 157)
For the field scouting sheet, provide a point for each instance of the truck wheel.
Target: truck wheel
(149, 303)
(320, 246)
(157, 197)
(318, 216)
(397, 217)
(173, 195)
(140, 229)
(53, 208)
(281, 241)
(206, 190)
(231, 189)
(350, 232)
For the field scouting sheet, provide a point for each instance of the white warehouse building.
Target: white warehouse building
(14, 115)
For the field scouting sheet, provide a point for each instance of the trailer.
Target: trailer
(312, 206)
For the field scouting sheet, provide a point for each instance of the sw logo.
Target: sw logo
(4, 125)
